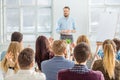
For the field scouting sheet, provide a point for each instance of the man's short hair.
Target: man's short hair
(59, 46)
(82, 52)
(26, 57)
(16, 36)
(67, 7)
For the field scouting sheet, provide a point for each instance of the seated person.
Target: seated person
(108, 65)
(26, 62)
(80, 71)
(84, 38)
(16, 36)
(117, 43)
(9, 63)
(52, 66)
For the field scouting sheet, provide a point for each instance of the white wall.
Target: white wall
(79, 11)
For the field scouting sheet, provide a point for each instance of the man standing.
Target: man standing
(66, 25)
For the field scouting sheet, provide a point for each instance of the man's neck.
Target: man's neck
(59, 55)
(83, 63)
(66, 17)
(28, 68)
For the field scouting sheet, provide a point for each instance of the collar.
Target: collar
(80, 68)
(25, 71)
(58, 58)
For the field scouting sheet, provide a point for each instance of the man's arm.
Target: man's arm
(74, 27)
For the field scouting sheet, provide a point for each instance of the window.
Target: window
(30, 17)
(96, 7)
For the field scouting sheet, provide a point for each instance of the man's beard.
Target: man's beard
(66, 15)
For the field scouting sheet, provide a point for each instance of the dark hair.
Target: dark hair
(117, 42)
(42, 50)
(67, 7)
(26, 57)
(16, 36)
(82, 52)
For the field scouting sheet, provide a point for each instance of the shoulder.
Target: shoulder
(38, 76)
(61, 18)
(96, 72)
(98, 61)
(63, 71)
(69, 62)
(117, 64)
(10, 77)
(45, 62)
(71, 18)
(97, 64)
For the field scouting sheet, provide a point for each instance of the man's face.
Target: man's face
(66, 12)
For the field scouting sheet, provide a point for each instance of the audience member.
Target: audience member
(80, 71)
(117, 42)
(43, 51)
(26, 62)
(108, 65)
(52, 66)
(9, 63)
(16, 36)
(84, 38)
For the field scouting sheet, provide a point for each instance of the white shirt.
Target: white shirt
(26, 75)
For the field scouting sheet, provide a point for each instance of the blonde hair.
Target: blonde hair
(109, 49)
(15, 48)
(83, 38)
(59, 46)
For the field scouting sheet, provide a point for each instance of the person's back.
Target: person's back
(26, 62)
(52, 66)
(26, 75)
(98, 66)
(70, 75)
(108, 65)
(42, 51)
(80, 70)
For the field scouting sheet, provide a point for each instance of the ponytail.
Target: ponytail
(109, 60)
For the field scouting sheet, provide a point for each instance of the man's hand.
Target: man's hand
(68, 31)
(73, 31)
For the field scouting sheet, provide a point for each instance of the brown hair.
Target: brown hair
(82, 52)
(16, 36)
(25, 58)
(83, 38)
(109, 49)
(42, 50)
(117, 42)
(59, 46)
(67, 7)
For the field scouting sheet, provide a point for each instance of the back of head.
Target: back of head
(82, 52)
(17, 36)
(83, 38)
(117, 42)
(59, 46)
(42, 50)
(14, 48)
(25, 58)
(109, 49)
